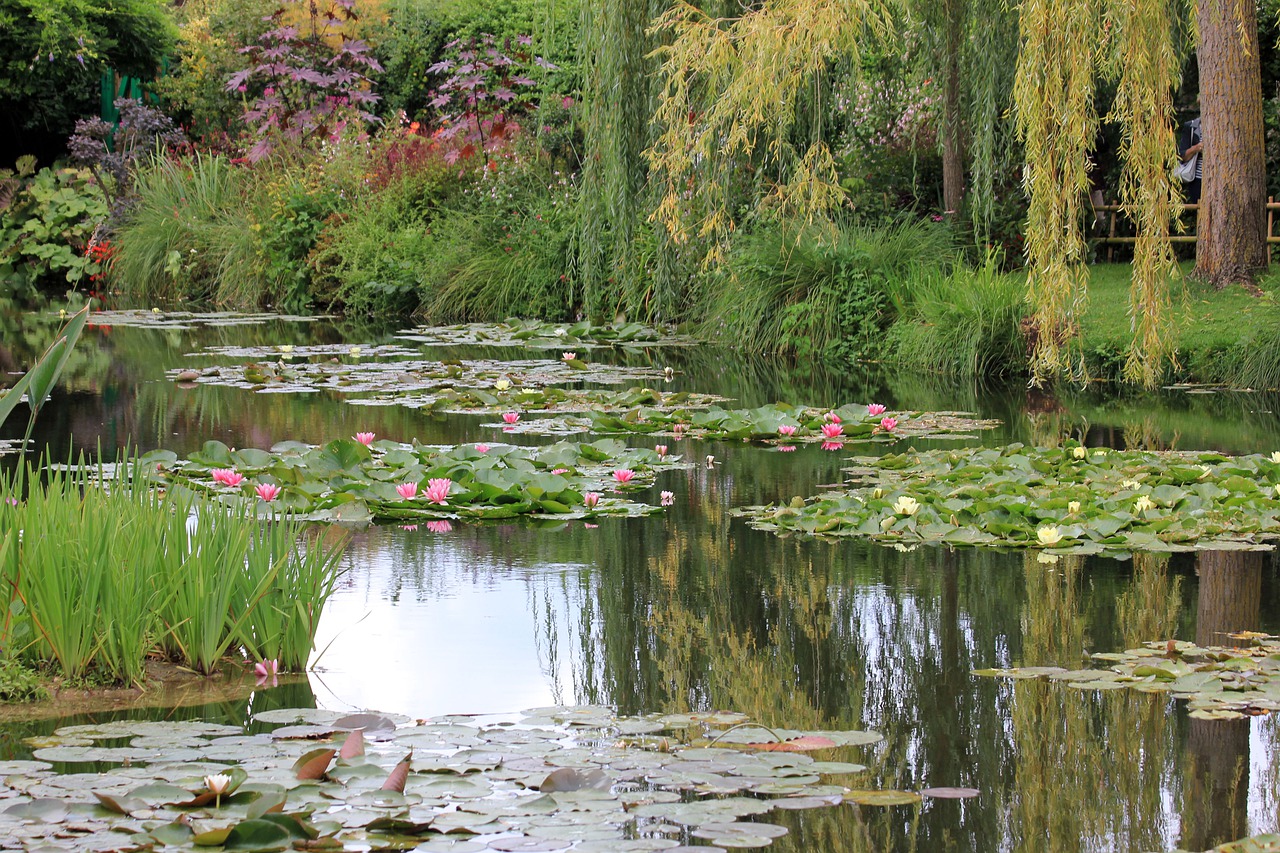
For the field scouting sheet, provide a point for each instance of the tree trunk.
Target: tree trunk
(1217, 783)
(1231, 244)
(952, 121)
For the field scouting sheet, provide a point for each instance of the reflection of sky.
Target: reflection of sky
(433, 628)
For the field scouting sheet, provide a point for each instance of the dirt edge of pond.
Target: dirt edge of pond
(168, 686)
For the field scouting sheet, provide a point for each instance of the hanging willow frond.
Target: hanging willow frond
(731, 86)
(1145, 63)
(1057, 121)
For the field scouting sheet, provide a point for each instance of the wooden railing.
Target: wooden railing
(1112, 212)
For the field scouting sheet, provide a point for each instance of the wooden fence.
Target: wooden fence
(1109, 214)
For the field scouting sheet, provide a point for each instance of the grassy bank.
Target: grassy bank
(968, 324)
(1227, 336)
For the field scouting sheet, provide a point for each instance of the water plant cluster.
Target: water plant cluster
(99, 572)
(548, 779)
(1220, 682)
(364, 479)
(541, 334)
(1068, 499)
(544, 399)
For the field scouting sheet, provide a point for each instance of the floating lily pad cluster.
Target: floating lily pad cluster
(537, 334)
(157, 319)
(353, 374)
(784, 424)
(347, 480)
(1070, 499)
(556, 778)
(549, 399)
(1220, 682)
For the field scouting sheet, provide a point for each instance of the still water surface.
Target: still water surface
(691, 609)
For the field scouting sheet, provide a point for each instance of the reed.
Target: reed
(96, 574)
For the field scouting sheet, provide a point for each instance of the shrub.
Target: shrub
(47, 222)
(816, 292)
(53, 54)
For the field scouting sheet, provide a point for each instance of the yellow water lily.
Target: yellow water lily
(906, 505)
(1049, 535)
(1142, 504)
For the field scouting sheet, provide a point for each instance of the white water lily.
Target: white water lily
(1079, 452)
(559, 333)
(1207, 469)
(354, 351)
(1275, 456)
(1130, 484)
(1142, 504)
(502, 385)
(286, 348)
(1049, 535)
(906, 505)
(1277, 488)
(1073, 507)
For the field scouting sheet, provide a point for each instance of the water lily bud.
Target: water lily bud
(1073, 507)
(1079, 452)
(217, 783)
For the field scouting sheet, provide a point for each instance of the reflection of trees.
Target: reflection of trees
(1217, 796)
(1150, 607)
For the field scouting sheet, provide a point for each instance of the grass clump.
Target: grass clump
(820, 293)
(96, 579)
(966, 323)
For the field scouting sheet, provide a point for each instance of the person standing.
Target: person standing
(1190, 144)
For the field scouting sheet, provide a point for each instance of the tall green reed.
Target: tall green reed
(96, 574)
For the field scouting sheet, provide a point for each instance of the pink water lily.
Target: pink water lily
(678, 429)
(787, 448)
(875, 409)
(668, 498)
(227, 476)
(888, 424)
(832, 445)
(787, 429)
(268, 491)
(409, 527)
(568, 356)
(510, 417)
(438, 490)
(832, 430)
(661, 450)
(263, 668)
(559, 470)
(441, 526)
(407, 490)
(831, 418)
(365, 438)
(590, 499)
(482, 448)
(624, 475)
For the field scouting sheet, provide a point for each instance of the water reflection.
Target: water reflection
(694, 610)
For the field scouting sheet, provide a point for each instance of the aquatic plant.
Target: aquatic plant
(36, 383)
(348, 481)
(95, 579)
(1071, 499)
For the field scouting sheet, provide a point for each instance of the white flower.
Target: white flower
(502, 384)
(877, 493)
(155, 310)
(217, 784)
(1073, 507)
(353, 351)
(1207, 469)
(286, 348)
(1275, 456)
(906, 505)
(559, 333)
(1079, 452)
(1277, 488)
(1130, 484)
(1142, 504)
(1049, 535)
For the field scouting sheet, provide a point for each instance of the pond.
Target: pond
(693, 610)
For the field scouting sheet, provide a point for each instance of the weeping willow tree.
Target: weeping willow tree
(624, 264)
(1057, 122)
(1147, 69)
(727, 108)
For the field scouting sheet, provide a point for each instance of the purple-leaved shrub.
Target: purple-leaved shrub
(306, 83)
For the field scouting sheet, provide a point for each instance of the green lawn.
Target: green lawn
(1227, 335)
